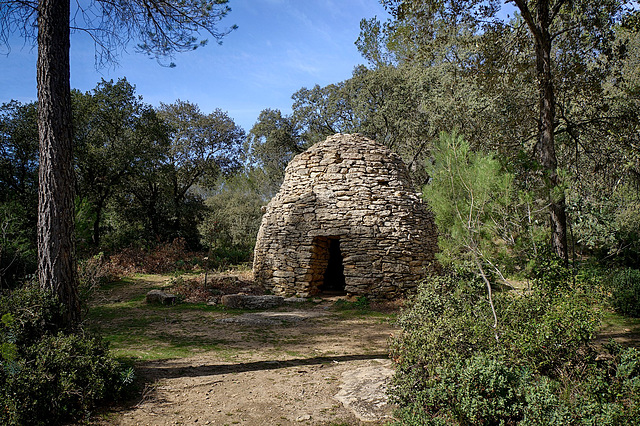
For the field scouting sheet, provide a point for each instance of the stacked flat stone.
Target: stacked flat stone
(355, 190)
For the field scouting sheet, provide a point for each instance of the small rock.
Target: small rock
(295, 300)
(159, 297)
(303, 418)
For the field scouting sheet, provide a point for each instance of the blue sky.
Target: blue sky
(279, 47)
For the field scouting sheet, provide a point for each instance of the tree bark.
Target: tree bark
(546, 126)
(56, 249)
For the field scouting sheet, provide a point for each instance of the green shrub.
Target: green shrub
(49, 376)
(540, 370)
(61, 377)
(34, 313)
(543, 405)
(446, 322)
(625, 296)
(447, 309)
(549, 333)
(225, 256)
(480, 390)
(548, 272)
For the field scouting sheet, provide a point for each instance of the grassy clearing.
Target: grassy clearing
(140, 332)
(144, 333)
(623, 329)
(616, 321)
(362, 308)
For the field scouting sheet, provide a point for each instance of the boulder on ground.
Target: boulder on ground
(244, 301)
(159, 297)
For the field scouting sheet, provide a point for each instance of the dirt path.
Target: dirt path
(281, 367)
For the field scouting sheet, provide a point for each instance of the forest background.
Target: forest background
(148, 175)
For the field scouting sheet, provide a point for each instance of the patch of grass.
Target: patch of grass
(121, 315)
(156, 353)
(614, 320)
(203, 307)
(362, 307)
(117, 284)
(139, 332)
(361, 303)
(292, 340)
(624, 329)
(131, 327)
(149, 347)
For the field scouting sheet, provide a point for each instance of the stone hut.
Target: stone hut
(347, 220)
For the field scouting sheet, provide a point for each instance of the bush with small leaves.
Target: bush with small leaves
(49, 375)
(625, 295)
(538, 367)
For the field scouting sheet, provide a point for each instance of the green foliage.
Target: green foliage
(33, 313)
(362, 303)
(272, 142)
(117, 138)
(18, 192)
(536, 334)
(625, 292)
(479, 390)
(18, 153)
(46, 374)
(141, 172)
(472, 199)
(17, 245)
(203, 147)
(547, 271)
(476, 73)
(606, 224)
(61, 377)
(447, 308)
(230, 227)
(452, 370)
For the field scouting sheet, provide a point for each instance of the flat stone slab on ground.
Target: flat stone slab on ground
(364, 391)
(244, 301)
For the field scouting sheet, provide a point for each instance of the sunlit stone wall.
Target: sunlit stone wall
(352, 189)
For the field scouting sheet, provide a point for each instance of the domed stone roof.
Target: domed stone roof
(346, 219)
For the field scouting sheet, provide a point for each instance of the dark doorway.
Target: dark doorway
(333, 282)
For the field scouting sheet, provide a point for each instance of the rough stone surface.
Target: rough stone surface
(243, 301)
(354, 190)
(296, 300)
(159, 297)
(364, 391)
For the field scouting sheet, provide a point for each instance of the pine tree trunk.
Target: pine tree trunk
(546, 143)
(56, 250)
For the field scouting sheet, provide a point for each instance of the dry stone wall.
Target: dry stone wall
(353, 190)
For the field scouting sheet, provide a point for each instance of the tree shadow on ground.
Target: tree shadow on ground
(157, 370)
